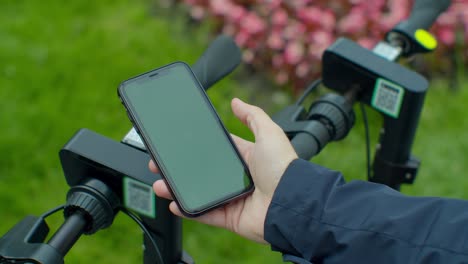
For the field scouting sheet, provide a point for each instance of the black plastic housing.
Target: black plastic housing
(89, 154)
(23, 243)
(350, 67)
(347, 65)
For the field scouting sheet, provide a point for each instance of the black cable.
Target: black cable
(366, 127)
(308, 90)
(146, 231)
(52, 211)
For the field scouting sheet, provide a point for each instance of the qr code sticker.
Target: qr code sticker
(139, 197)
(387, 97)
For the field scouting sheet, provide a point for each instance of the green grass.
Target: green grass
(60, 65)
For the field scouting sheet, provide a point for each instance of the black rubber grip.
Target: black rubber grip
(305, 145)
(218, 60)
(425, 12)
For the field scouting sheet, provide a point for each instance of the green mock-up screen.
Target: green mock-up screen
(196, 155)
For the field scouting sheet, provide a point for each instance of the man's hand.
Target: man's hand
(267, 160)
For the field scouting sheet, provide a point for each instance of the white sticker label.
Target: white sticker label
(387, 51)
(139, 197)
(387, 97)
(132, 138)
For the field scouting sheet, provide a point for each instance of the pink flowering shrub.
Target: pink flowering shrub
(288, 38)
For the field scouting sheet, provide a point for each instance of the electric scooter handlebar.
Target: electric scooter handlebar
(219, 59)
(425, 12)
(412, 34)
(373, 78)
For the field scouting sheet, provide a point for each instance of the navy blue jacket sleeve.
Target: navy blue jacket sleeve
(316, 217)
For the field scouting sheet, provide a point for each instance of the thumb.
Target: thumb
(255, 118)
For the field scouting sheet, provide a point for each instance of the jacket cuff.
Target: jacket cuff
(295, 202)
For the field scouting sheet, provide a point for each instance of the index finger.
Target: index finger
(153, 167)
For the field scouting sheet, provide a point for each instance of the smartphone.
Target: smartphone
(185, 138)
